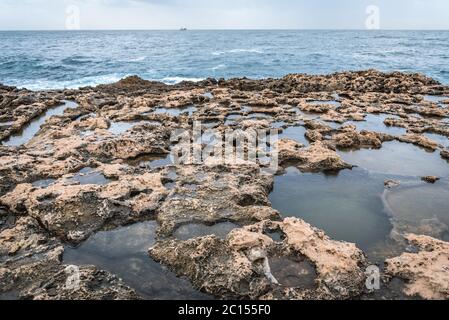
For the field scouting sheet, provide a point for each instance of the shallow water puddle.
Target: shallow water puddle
(210, 124)
(307, 115)
(176, 112)
(415, 115)
(278, 124)
(124, 252)
(436, 99)
(399, 159)
(421, 208)
(347, 206)
(295, 133)
(34, 126)
(43, 183)
(336, 96)
(87, 133)
(118, 128)
(276, 236)
(196, 230)
(10, 296)
(209, 95)
(6, 124)
(151, 161)
(324, 102)
(392, 290)
(90, 176)
(232, 119)
(259, 116)
(440, 139)
(293, 272)
(334, 125)
(376, 123)
(246, 109)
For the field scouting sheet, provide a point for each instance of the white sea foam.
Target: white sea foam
(175, 80)
(69, 84)
(219, 67)
(234, 51)
(89, 81)
(136, 59)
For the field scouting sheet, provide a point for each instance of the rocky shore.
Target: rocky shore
(102, 165)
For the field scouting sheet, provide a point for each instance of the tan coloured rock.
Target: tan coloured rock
(426, 272)
(73, 212)
(419, 140)
(240, 265)
(233, 193)
(317, 157)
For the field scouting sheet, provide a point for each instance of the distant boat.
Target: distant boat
(183, 29)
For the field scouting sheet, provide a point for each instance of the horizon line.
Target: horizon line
(223, 29)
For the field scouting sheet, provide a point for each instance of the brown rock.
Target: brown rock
(426, 272)
(317, 157)
(218, 193)
(419, 140)
(242, 265)
(430, 179)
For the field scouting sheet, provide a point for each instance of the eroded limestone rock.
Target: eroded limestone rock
(74, 211)
(36, 215)
(81, 283)
(349, 137)
(315, 158)
(217, 193)
(427, 271)
(420, 141)
(31, 268)
(240, 265)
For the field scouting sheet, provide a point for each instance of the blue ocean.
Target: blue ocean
(70, 59)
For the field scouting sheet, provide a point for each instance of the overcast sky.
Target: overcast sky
(222, 14)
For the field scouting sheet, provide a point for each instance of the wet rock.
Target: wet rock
(395, 82)
(73, 212)
(317, 108)
(391, 183)
(27, 255)
(24, 238)
(288, 150)
(132, 146)
(239, 267)
(7, 219)
(430, 179)
(350, 138)
(222, 193)
(427, 271)
(419, 140)
(315, 158)
(30, 268)
(81, 283)
(445, 154)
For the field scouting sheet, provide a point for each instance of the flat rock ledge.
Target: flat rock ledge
(244, 265)
(31, 269)
(426, 271)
